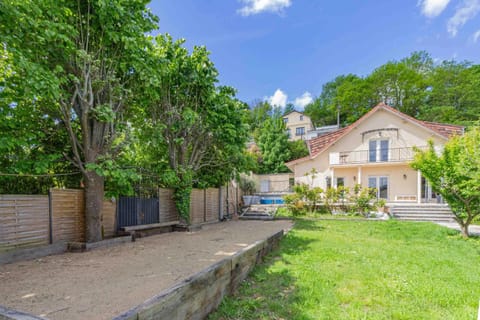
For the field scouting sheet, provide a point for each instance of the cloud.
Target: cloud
(303, 100)
(258, 6)
(433, 8)
(278, 99)
(468, 10)
(476, 36)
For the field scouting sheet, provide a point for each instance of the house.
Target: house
(297, 125)
(374, 152)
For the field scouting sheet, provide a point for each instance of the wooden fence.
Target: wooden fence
(24, 221)
(29, 221)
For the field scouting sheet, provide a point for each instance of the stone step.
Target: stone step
(434, 213)
(447, 210)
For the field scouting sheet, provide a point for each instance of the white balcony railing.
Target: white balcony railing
(373, 156)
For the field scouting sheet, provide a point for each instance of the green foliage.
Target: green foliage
(445, 92)
(455, 174)
(273, 143)
(297, 149)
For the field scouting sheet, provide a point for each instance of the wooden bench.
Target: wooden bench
(133, 229)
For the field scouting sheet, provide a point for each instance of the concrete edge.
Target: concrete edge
(10, 314)
(239, 266)
(32, 253)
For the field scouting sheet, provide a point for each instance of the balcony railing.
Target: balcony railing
(373, 156)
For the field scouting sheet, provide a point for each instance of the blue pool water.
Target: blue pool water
(270, 200)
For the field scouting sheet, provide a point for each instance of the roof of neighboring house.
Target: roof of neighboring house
(319, 144)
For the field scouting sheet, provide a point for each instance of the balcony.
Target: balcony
(391, 155)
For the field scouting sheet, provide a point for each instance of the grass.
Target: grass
(363, 270)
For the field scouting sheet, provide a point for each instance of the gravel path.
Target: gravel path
(103, 283)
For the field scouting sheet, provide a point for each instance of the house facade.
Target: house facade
(297, 125)
(374, 152)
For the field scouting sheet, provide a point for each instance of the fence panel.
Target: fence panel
(24, 221)
(168, 210)
(212, 204)
(197, 206)
(109, 211)
(68, 215)
(134, 211)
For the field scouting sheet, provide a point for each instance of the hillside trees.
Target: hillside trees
(195, 131)
(415, 85)
(78, 58)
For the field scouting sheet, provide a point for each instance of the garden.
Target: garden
(330, 269)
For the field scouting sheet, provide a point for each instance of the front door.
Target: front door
(380, 183)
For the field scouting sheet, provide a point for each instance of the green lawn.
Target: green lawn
(363, 270)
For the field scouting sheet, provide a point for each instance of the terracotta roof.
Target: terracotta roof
(318, 145)
(446, 130)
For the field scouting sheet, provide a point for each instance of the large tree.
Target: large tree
(196, 131)
(78, 59)
(273, 143)
(455, 174)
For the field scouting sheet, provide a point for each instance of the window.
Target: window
(340, 182)
(289, 133)
(301, 117)
(380, 184)
(300, 131)
(285, 120)
(328, 181)
(377, 150)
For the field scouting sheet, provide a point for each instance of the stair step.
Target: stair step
(259, 217)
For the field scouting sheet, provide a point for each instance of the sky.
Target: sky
(283, 51)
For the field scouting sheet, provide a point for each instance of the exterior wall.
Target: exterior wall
(293, 122)
(409, 134)
(276, 182)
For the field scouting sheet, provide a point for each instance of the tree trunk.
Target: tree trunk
(94, 192)
(464, 229)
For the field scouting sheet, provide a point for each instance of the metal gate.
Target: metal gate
(133, 211)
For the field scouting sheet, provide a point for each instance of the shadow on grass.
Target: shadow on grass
(270, 292)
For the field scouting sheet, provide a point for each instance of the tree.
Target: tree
(455, 174)
(78, 58)
(297, 149)
(194, 131)
(273, 143)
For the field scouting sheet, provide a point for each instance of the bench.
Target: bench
(133, 229)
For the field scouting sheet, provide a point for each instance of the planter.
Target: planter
(249, 200)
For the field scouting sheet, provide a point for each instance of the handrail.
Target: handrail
(373, 156)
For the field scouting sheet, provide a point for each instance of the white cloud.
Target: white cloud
(433, 8)
(278, 99)
(468, 10)
(476, 36)
(303, 100)
(258, 6)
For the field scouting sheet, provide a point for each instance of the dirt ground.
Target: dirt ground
(106, 282)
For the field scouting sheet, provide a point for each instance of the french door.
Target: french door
(380, 183)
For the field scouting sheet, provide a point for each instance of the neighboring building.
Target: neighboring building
(375, 152)
(297, 125)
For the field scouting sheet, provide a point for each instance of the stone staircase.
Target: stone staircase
(259, 212)
(422, 212)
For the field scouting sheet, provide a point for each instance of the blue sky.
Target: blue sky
(285, 50)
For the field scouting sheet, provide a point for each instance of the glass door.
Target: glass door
(380, 183)
(428, 194)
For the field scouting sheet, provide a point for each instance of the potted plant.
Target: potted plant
(248, 189)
